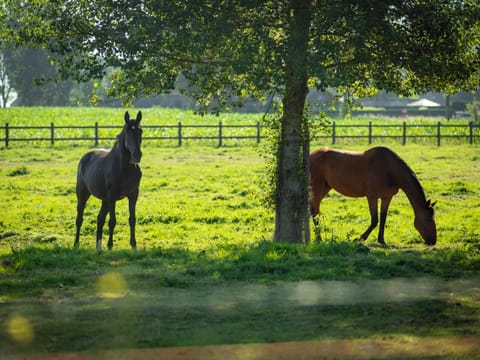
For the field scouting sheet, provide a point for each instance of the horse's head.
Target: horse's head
(133, 137)
(425, 224)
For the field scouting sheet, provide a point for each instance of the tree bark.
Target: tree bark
(291, 202)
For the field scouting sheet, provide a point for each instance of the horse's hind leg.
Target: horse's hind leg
(100, 222)
(132, 201)
(319, 190)
(373, 205)
(111, 223)
(82, 197)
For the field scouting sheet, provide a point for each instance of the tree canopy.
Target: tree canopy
(227, 48)
(231, 46)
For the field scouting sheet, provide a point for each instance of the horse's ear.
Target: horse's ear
(127, 117)
(433, 204)
(139, 117)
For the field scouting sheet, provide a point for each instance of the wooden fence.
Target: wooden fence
(401, 132)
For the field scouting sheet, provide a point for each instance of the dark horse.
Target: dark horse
(377, 173)
(111, 176)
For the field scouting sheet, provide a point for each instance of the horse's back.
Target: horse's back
(384, 160)
(381, 153)
(344, 171)
(355, 173)
(90, 158)
(349, 161)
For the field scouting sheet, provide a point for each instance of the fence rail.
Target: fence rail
(402, 132)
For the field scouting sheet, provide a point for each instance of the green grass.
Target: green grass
(43, 116)
(206, 270)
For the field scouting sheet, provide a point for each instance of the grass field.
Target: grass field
(206, 271)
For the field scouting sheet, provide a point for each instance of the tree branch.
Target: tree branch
(204, 61)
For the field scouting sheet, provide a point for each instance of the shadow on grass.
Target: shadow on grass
(265, 293)
(33, 269)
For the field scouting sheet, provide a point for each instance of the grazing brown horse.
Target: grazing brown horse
(377, 173)
(111, 176)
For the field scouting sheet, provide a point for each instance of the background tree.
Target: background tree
(5, 85)
(27, 70)
(228, 48)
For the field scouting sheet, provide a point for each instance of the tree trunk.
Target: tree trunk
(291, 202)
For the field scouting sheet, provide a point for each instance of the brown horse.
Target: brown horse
(377, 173)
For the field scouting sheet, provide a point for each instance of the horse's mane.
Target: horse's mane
(411, 173)
(119, 136)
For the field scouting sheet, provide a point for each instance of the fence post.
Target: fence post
(220, 133)
(470, 125)
(258, 132)
(404, 134)
(333, 133)
(52, 134)
(96, 133)
(369, 132)
(438, 133)
(6, 134)
(179, 134)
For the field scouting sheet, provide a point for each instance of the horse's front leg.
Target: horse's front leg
(111, 223)
(132, 201)
(100, 222)
(373, 206)
(383, 218)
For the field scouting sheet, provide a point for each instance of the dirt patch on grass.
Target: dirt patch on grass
(401, 347)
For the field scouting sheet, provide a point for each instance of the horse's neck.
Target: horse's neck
(120, 153)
